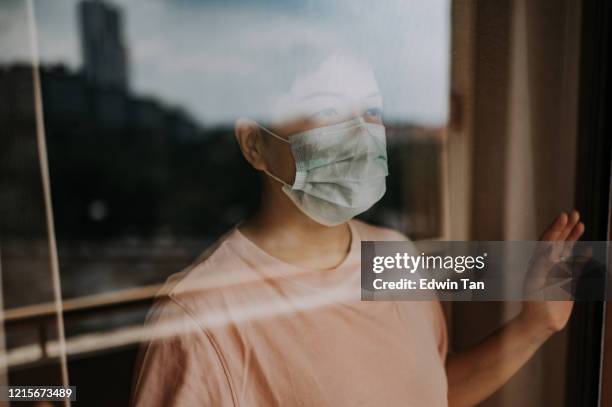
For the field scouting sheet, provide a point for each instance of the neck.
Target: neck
(279, 220)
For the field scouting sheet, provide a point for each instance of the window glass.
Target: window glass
(140, 101)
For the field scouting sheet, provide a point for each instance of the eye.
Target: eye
(325, 113)
(374, 112)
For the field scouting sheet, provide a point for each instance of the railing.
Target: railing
(40, 315)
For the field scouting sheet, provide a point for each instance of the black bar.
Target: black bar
(592, 194)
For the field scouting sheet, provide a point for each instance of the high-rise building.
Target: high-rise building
(105, 60)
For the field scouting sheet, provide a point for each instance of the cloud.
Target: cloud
(14, 36)
(221, 60)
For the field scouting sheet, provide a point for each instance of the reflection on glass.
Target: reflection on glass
(140, 101)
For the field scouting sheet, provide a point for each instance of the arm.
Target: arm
(475, 374)
(179, 366)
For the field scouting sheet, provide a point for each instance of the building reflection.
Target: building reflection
(140, 187)
(105, 58)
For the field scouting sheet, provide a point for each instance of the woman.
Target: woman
(271, 314)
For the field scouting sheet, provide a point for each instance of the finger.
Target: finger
(566, 248)
(555, 228)
(568, 244)
(561, 247)
(574, 217)
(576, 232)
(570, 236)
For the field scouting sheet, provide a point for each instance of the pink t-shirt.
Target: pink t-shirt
(242, 328)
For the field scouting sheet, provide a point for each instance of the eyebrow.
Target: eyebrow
(334, 94)
(317, 94)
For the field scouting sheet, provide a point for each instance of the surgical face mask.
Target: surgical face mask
(340, 170)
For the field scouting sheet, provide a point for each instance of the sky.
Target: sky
(222, 60)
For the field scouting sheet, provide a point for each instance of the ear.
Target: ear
(248, 136)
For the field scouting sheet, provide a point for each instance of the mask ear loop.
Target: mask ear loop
(276, 178)
(272, 133)
(284, 141)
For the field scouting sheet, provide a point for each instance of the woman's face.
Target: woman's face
(341, 89)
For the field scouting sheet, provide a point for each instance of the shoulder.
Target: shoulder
(220, 278)
(371, 232)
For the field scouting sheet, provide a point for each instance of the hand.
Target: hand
(552, 316)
